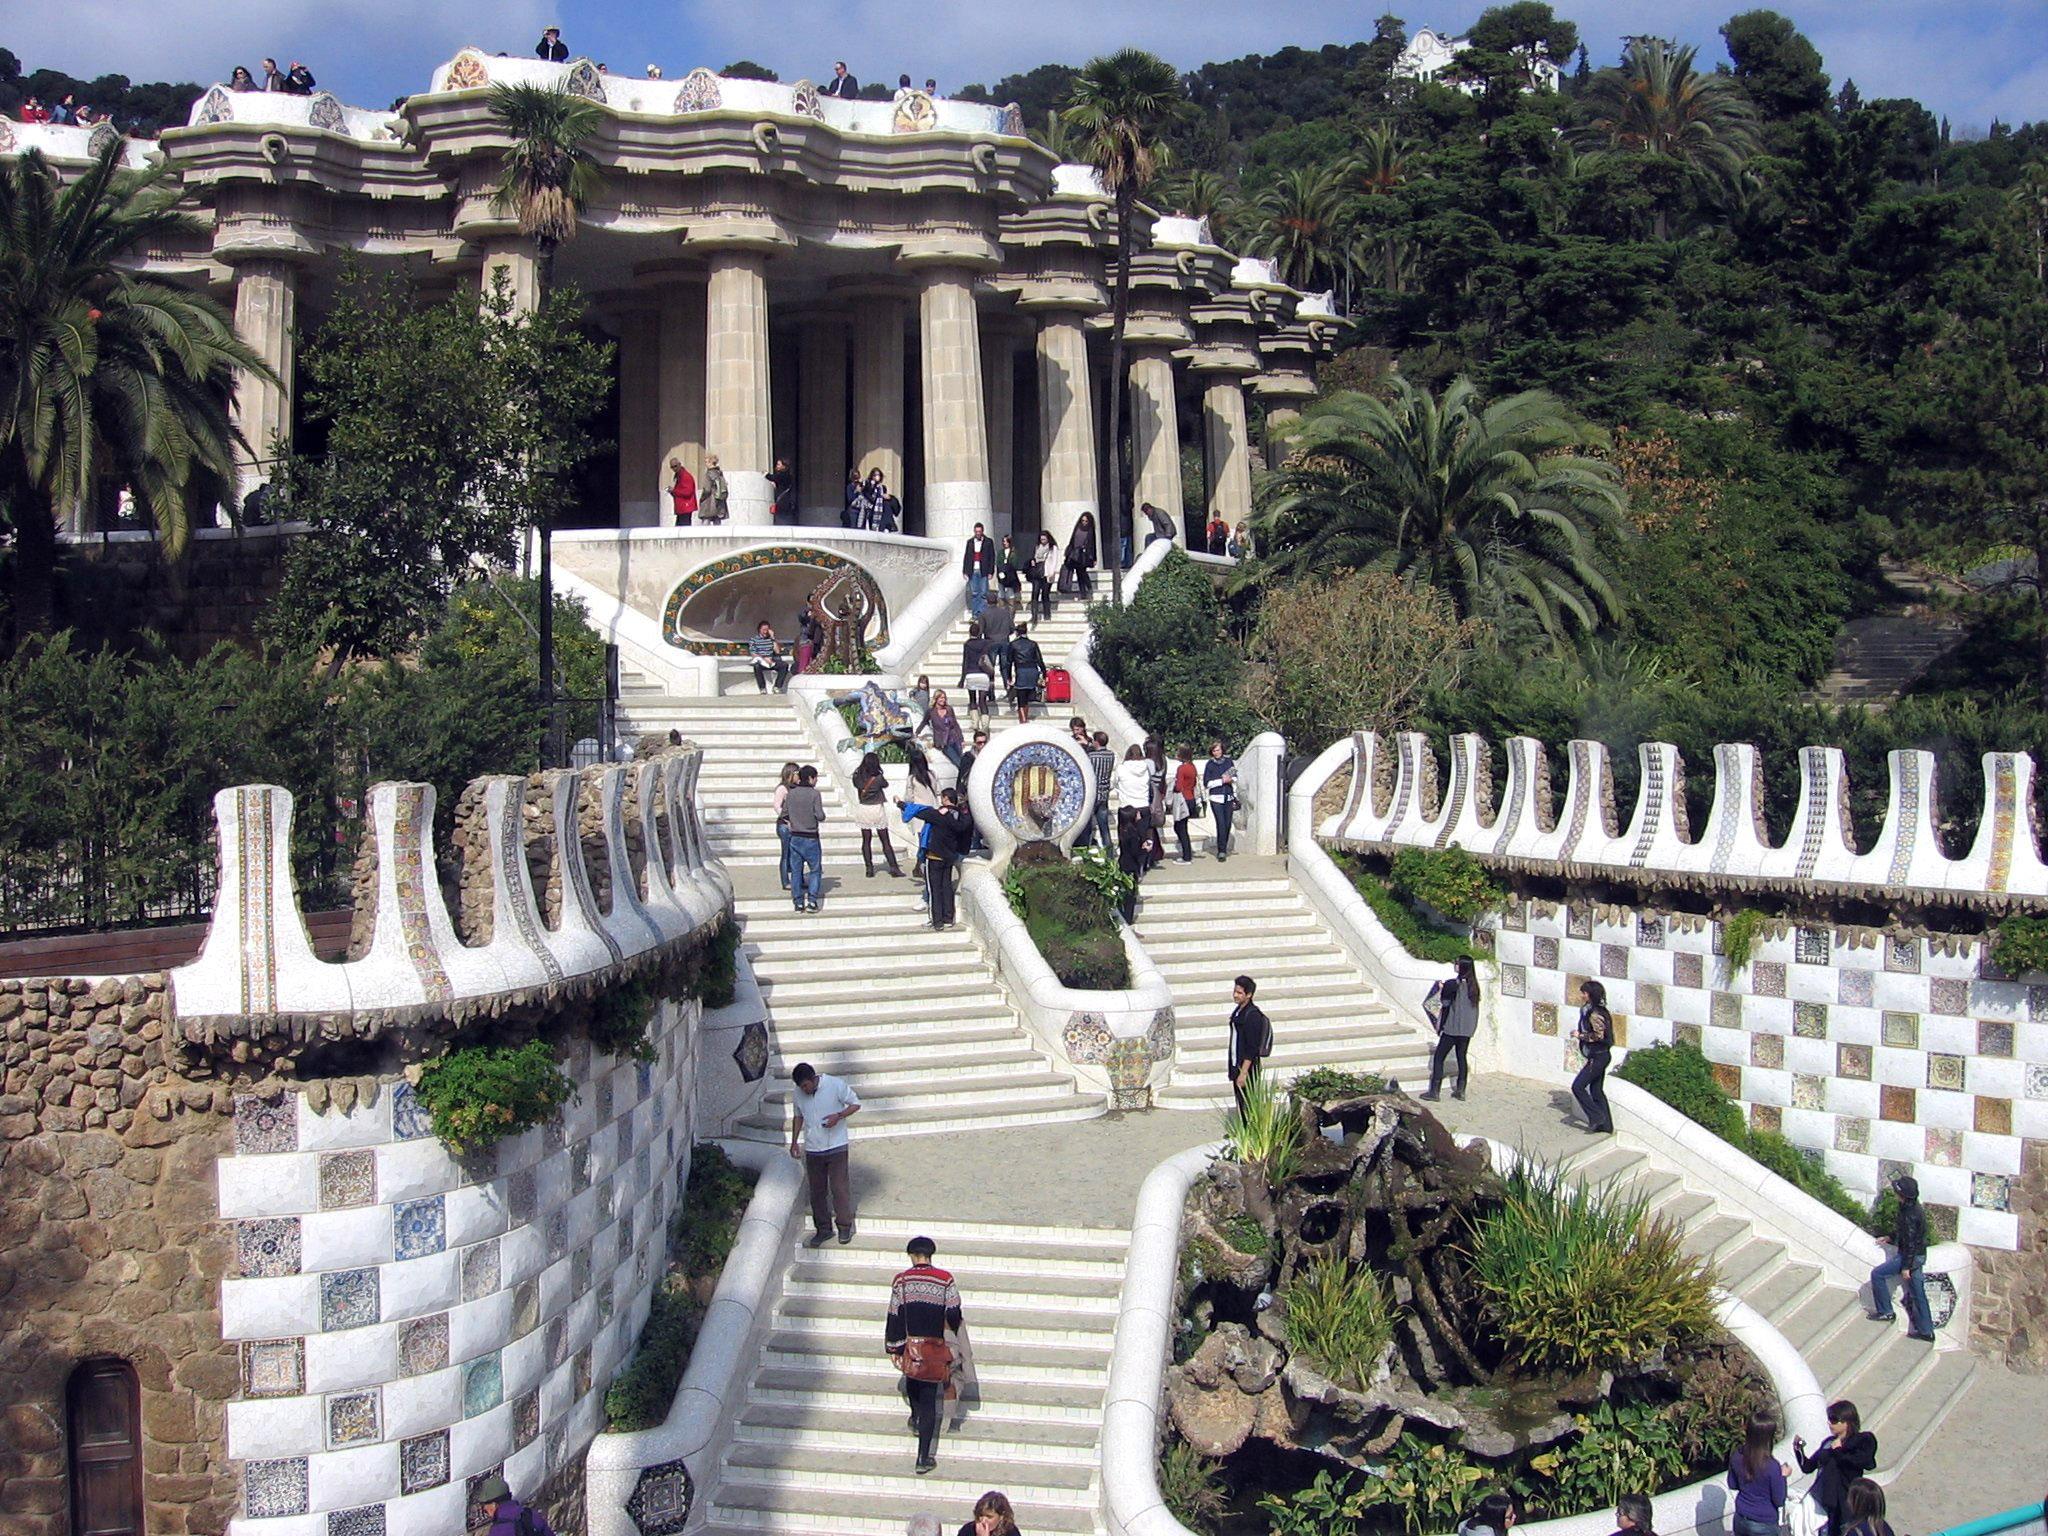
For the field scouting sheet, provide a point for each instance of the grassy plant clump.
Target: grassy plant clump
(717, 978)
(2021, 947)
(1323, 1085)
(1421, 939)
(1339, 1318)
(1266, 1133)
(1738, 939)
(1192, 1485)
(1068, 917)
(1578, 1278)
(483, 1093)
(1448, 879)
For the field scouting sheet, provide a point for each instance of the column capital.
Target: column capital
(942, 251)
(1066, 295)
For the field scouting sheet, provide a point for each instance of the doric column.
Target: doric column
(1155, 439)
(821, 402)
(643, 472)
(878, 321)
(681, 381)
(1066, 425)
(1229, 448)
(266, 302)
(737, 426)
(1280, 420)
(956, 490)
(514, 256)
(999, 413)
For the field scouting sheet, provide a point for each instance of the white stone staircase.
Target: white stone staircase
(1206, 923)
(1056, 637)
(1902, 1388)
(821, 1443)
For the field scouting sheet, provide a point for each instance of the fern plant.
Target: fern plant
(1738, 939)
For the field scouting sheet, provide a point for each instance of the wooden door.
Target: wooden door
(104, 1417)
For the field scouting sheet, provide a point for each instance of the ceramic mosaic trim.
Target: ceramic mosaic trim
(412, 831)
(2004, 820)
(1652, 803)
(259, 941)
(827, 563)
(1906, 771)
(1814, 765)
(512, 858)
(1727, 764)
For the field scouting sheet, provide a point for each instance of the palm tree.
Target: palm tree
(1304, 223)
(1657, 104)
(1120, 105)
(1487, 502)
(547, 178)
(104, 372)
(1207, 195)
(1378, 170)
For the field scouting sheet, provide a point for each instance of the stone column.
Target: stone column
(1280, 420)
(643, 472)
(514, 256)
(1155, 441)
(1066, 432)
(956, 490)
(737, 426)
(878, 321)
(821, 406)
(999, 414)
(266, 303)
(681, 414)
(1229, 449)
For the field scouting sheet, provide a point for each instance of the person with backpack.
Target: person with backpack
(1251, 1037)
(1181, 801)
(508, 1516)
(924, 1307)
(1908, 1261)
(1758, 1478)
(1453, 1006)
(1849, 1452)
(1596, 1044)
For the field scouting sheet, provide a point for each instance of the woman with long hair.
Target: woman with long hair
(1848, 1453)
(1495, 1516)
(1596, 1044)
(785, 782)
(1081, 553)
(1044, 570)
(871, 813)
(992, 1517)
(1758, 1478)
(1454, 1005)
(977, 674)
(946, 734)
(1010, 569)
(920, 789)
(1180, 801)
(1864, 1509)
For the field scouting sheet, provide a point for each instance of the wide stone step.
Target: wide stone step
(1175, 943)
(1340, 1005)
(838, 960)
(993, 1322)
(934, 1118)
(943, 1086)
(989, 1430)
(995, 1047)
(996, 1362)
(1078, 1302)
(850, 1507)
(788, 1382)
(1819, 1318)
(756, 1463)
(965, 979)
(1191, 970)
(1907, 1424)
(1780, 1292)
(908, 1019)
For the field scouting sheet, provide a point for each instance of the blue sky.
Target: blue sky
(1970, 61)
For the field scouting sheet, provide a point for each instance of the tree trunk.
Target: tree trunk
(35, 565)
(1119, 314)
(550, 725)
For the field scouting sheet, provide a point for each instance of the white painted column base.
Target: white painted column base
(953, 507)
(750, 499)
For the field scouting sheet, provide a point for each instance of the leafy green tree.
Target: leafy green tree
(548, 173)
(1487, 503)
(1658, 106)
(1038, 93)
(747, 69)
(1121, 103)
(1506, 44)
(1775, 65)
(1303, 224)
(104, 374)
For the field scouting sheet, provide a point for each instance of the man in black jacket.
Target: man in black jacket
(551, 47)
(952, 832)
(1908, 1261)
(1251, 1037)
(842, 85)
(977, 564)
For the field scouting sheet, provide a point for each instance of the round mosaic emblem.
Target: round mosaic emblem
(1039, 791)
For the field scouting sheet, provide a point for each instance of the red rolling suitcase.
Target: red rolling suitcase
(1059, 686)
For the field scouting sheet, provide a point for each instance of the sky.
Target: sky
(1970, 60)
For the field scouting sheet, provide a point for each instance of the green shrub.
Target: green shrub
(482, 1093)
(1321, 1085)
(1339, 1319)
(1632, 1448)
(1075, 929)
(1424, 940)
(1738, 939)
(1682, 1078)
(1245, 1235)
(1192, 1485)
(702, 1233)
(619, 1017)
(2021, 947)
(1579, 1278)
(1266, 1133)
(1430, 1482)
(1166, 657)
(1448, 879)
(717, 976)
(864, 665)
(1332, 1505)
(1099, 867)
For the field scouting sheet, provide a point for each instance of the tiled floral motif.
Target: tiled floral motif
(1992, 1117)
(1810, 1021)
(526, 1419)
(1897, 1103)
(347, 1180)
(1901, 1031)
(419, 1227)
(1852, 1133)
(267, 1248)
(1614, 961)
(480, 1270)
(2037, 1080)
(409, 1117)
(1514, 980)
(348, 1298)
(423, 1344)
(1945, 1071)
(1948, 994)
(1902, 955)
(1578, 922)
(525, 1308)
(1853, 1061)
(1766, 1117)
(1945, 1148)
(661, 1500)
(271, 1489)
(364, 1520)
(273, 1367)
(266, 1122)
(423, 1462)
(1809, 1091)
(1649, 932)
(351, 1418)
(1994, 1037)
(1650, 999)
(1767, 978)
(1544, 946)
(1991, 1191)
(1767, 1050)
(1514, 915)
(1812, 946)
(519, 1197)
(483, 1386)
(751, 1055)
(1544, 1018)
(1725, 1010)
(1688, 969)
(1856, 988)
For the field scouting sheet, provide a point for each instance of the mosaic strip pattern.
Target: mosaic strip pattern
(1907, 766)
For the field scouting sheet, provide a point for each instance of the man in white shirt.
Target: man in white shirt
(823, 1104)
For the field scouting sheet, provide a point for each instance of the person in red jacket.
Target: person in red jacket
(682, 492)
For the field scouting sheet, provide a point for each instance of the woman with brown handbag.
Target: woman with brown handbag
(924, 1305)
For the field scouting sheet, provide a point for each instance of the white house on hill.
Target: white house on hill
(1430, 53)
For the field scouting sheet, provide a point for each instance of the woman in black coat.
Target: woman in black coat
(1596, 1044)
(1081, 553)
(1849, 1452)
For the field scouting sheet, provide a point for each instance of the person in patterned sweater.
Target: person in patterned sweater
(924, 1306)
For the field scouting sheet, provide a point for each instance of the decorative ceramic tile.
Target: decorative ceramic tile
(1948, 994)
(604, 1101)
(557, 1443)
(1944, 1148)
(1514, 981)
(627, 1228)
(579, 1273)
(661, 1500)
(419, 1227)
(1855, 989)
(519, 1196)
(627, 1136)
(1810, 1021)
(579, 1167)
(525, 1308)
(1890, 1170)
(1902, 955)
(1729, 1077)
(409, 1117)
(1725, 1010)
(1482, 940)
(267, 1248)
(473, 1516)
(271, 1489)
(1809, 1091)
(553, 1134)
(604, 1304)
(1766, 1117)
(583, 1377)
(1812, 946)
(556, 1340)
(643, 1074)
(423, 1462)
(348, 1298)
(1901, 1031)
(1514, 915)
(1991, 1191)
(1650, 999)
(1852, 1133)
(273, 1367)
(1853, 1061)
(267, 1122)
(364, 1520)
(1649, 932)
(1994, 1037)
(1767, 978)
(1578, 922)
(1614, 961)
(1543, 1018)
(483, 1386)
(1897, 1104)
(1688, 969)
(1993, 1117)
(1941, 1223)
(351, 1419)
(347, 1179)
(1767, 1051)
(423, 1344)
(2037, 1005)
(1686, 1034)
(1945, 1071)
(2037, 1080)
(751, 1055)
(558, 1235)
(479, 1270)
